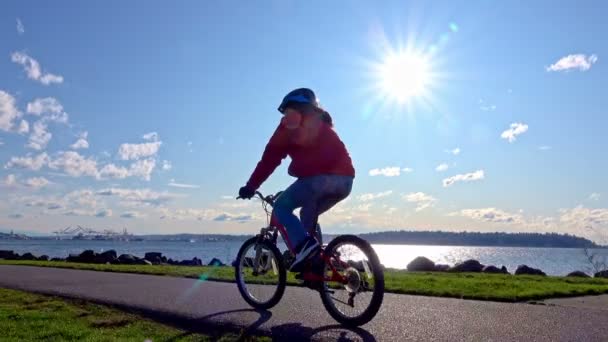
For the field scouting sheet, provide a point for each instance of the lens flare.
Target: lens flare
(404, 76)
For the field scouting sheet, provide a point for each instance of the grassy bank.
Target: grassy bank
(32, 317)
(480, 286)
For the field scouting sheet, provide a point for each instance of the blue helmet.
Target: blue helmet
(300, 95)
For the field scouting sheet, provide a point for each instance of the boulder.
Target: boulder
(468, 266)
(421, 264)
(87, 256)
(442, 268)
(72, 258)
(27, 256)
(579, 274)
(602, 274)
(524, 269)
(127, 259)
(8, 255)
(155, 258)
(194, 262)
(494, 269)
(216, 262)
(106, 257)
(43, 258)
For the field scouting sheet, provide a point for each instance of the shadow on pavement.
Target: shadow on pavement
(297, 332)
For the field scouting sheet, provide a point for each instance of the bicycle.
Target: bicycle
(343, 276)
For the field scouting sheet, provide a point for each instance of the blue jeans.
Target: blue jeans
(314, 195)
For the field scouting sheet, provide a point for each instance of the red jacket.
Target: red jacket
(314, 148)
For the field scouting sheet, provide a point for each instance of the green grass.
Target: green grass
(31, 317)
(496, 287)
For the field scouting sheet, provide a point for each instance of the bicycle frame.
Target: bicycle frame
(274, 226)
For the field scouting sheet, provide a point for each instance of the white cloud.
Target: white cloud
(152, 136)
(468, 177)
(390, 171)
(515, 130)
(24, 127)
(584, 218)
(421, 199)
(442, 167)
(577, 61)
(137, 151)
(371, 196)
(1, 143)
(40, 136)
(455, 151)
(167, 165)
(143, 168)
(131, 214)
(74, 164)
(230, 217)
(104, 213)
(491, 215)
(37, 182)
(33, 70)
(20, 27)
(31, 163)
(183, 186)
(594, 196)
(82, 142)
(113, 171)
(407, 170)
(8, 111)
(139, 196)
(544, 148)
(50, 108)
(10, 180)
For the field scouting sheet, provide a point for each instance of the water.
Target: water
(553, 261)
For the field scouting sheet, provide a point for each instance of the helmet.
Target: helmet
(300, 95)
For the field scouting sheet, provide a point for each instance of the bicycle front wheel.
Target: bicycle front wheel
(260, 273)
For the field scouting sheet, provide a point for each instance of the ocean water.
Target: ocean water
(553, 261)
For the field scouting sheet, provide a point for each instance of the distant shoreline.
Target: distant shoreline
(424, 238)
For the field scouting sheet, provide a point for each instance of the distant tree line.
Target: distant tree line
(479, 239)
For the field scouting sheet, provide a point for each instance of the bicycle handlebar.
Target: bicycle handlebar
(267, 199)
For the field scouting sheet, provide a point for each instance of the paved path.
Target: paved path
(207, 306)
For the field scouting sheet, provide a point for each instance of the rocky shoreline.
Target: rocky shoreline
(420, 264)
(111, 257)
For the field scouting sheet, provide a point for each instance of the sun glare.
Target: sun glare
(405, 76)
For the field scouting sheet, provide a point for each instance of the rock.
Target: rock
(602, 274)
(441, 268)
(87, 256)
(421, 264)
(142, 262)
(27, 256)
(494, 269)
(72, 258)
(8, 255)
(154, 257)
(467, 266)
(524, 269)
(127, 259)
(106, 257)
(43, 258)
(580, 274)
(216, 262)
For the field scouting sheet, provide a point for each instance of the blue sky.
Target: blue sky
(150, 116)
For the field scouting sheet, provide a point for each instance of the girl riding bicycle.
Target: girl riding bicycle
(319, 161)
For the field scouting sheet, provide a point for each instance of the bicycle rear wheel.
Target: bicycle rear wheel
(260, 273)
(358, 301)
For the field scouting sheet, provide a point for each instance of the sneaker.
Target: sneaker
(308, 248)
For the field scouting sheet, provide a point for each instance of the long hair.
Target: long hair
(309, 109)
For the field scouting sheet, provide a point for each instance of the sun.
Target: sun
(404, 76)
